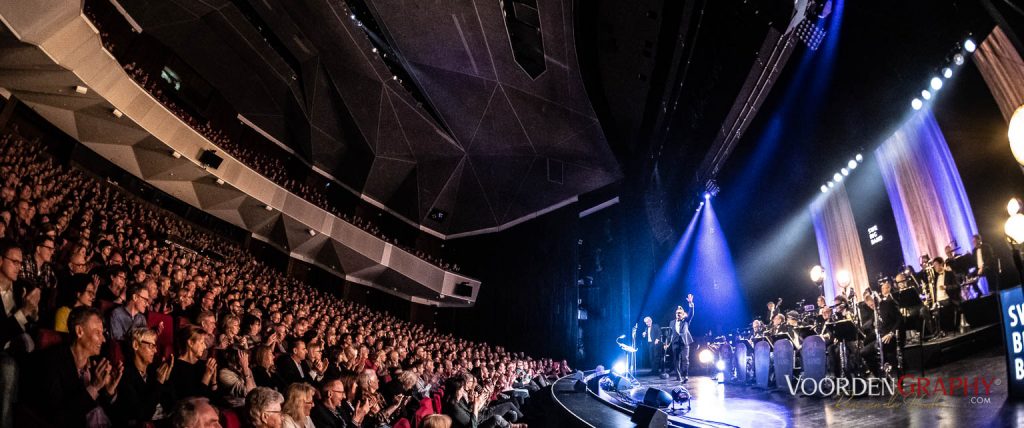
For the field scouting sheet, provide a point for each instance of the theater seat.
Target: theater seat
(49, 338)
(230, 419)
(165, 340)
(426, 409)
(105, 307)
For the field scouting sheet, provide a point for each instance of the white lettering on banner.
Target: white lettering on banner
(1017, 345)
(1018, 368)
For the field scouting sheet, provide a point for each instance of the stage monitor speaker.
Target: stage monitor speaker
(463, 289)
(579, 386)
(210, 159)
(649, 417)
(657, 398)
(578, 375)
(981, 311)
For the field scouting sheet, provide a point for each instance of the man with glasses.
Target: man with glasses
(142, 389)
(131, 315)
(38, 269)
(326, 413)
(263, 407)
(20, 308)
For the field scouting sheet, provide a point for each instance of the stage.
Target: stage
(723, 405)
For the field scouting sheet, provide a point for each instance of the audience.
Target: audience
(202, 327)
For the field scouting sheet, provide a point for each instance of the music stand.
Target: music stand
(843, 331)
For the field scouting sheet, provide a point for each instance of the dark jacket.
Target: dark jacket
(683, 337)
(60, 394)
(137, 397)
(324, 417)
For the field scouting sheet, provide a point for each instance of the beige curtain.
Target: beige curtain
(838, 241)
(1003, 70)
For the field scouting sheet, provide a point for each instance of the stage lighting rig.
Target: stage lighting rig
(711, 189)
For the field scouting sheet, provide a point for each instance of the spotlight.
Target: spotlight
(705, 356)
(311, 232)
(1015, 133)
(394, 77)
(843, 277)
(117, 113)
(720, 365)
(824, 188)
(831, 184)
(1014, 227)
(926, 95)
(220, 181)
(81, 89)
(852, 164)
(838, 178)
(817, 274)
(707, 196)
(969, 45)
(374, 50)
(268, 207)
(844, 171)
(619, 367)
(947, 72)
(916, 103)
(936, 83)
(958, 59)
(352, 17)
(859, 158)
(1013, 207)
(175, 155)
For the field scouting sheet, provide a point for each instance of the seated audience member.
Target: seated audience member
(235, 379)
(116, 283)
(83, 290)
(20, 307)
(67, 380)
(131, 315)
(264, 372)
(191, 376)
(263, 408)
(142, 386)
(297, 405)
(436, 421)
(328, 411)
(195, 412)
(291, 367)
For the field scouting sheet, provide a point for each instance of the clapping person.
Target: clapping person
(142, 385)
(192, 376)
(234, 377)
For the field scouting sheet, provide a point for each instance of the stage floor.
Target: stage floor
(737, 405)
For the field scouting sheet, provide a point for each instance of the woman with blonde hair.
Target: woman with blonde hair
(436, 421)
(297, 405)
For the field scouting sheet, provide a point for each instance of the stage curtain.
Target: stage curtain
(1003, 70)
(838, 242)
(925, 190)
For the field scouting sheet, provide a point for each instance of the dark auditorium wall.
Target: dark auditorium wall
(526, 301)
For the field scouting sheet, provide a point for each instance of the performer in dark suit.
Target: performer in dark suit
(890, 330)
(650, 342)
(680, 339)
(946, 293)
(985, 263)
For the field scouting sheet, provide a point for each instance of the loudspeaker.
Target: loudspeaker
(463, 289)
(649, 417)
(210, 159)
(657, 398)
(579, 386)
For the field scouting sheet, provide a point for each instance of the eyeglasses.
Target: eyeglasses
(148, 343)
(19, 261)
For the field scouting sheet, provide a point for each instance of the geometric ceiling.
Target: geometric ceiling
(142, 141)
(480, 139)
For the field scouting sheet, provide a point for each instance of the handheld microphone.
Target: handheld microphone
(622, 337)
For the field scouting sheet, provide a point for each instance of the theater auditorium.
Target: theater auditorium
(511, 213)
